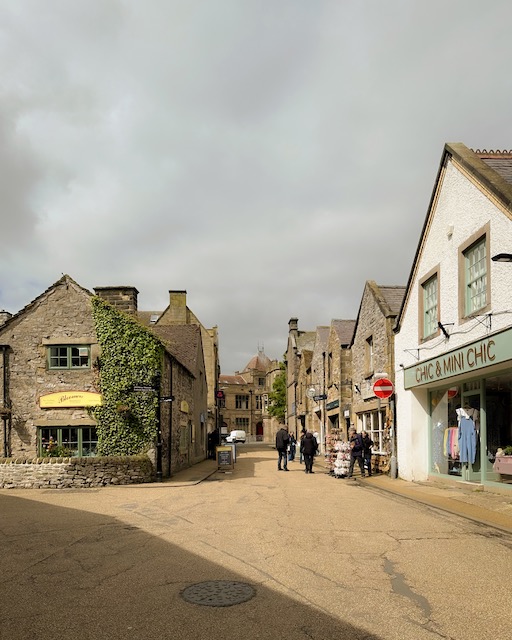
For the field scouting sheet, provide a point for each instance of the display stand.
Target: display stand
(337, 454)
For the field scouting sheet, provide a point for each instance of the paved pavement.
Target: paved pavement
(491, 508)
(255, 554)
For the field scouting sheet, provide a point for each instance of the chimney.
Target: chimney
(4, 316)
(123, 298)
(178, 306)
(293, 326)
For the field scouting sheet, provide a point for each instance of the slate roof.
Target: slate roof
(182, 342)
(344, 330)
(322, 334)
(499, 161)
(227, 379)
(394, 297)
(145, 317)
(305, 340)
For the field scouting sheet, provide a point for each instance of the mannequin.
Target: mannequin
(467, 418)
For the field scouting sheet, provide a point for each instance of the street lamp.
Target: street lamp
(502, 257)
(251, 391)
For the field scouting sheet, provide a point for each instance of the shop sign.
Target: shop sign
(70, 399)
(473, 357)
(332, 405)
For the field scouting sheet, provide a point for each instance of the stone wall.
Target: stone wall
(67, 473)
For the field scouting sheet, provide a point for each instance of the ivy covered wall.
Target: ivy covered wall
(130, 356)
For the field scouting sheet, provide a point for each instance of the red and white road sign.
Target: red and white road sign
(383, 388)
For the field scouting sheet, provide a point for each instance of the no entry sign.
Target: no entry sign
(383, 388)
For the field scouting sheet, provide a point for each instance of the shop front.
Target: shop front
(468, 393)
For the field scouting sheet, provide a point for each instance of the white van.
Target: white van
(236, 436)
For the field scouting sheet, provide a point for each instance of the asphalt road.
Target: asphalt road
(252, 554)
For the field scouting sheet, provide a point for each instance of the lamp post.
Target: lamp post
(251, 391)
(502, 257)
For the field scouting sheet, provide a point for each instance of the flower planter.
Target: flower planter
(503, 465)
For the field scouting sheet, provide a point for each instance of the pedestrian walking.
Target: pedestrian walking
(309, 449)
(282, 440)
(356, 451)
(301, 455)
(292, 446)
(213, 442)
(367, 451)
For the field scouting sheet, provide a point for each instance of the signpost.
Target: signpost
(383, 388)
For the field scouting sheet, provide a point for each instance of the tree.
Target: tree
(277, 397)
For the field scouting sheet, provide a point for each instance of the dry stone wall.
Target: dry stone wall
(67, 473)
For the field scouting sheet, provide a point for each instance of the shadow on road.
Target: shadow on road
(67, 573)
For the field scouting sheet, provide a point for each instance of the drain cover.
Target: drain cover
(218, 593)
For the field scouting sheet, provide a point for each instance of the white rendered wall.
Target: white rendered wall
(465, 208)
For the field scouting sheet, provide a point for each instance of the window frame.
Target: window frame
(242, 401)
(68, 357)
(481, 236)
(433, 273)
(62, 442)
(374, 422)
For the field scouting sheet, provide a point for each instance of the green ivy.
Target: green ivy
(130, 356)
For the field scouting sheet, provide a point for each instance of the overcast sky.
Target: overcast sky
(267, 156)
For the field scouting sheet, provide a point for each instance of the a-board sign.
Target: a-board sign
(225, 457)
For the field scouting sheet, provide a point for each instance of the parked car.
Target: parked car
(236, 436)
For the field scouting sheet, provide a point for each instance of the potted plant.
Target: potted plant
(503, 462)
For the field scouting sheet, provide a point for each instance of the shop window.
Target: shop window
(67, 441)
(374, 423)
(444, 431)
(474, 276)
(69, 357)
(429, 310)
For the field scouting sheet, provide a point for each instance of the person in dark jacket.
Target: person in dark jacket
(309, 448)
(367, 451)
(302, 434)
(282, 441)
(356, 451)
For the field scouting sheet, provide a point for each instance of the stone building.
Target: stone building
(177, 312)
(299, 343)
(52, 380)
(244, 399)
(339, 376)
(304, 390)
(373, 358)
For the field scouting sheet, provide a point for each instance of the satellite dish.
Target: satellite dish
(311, 392)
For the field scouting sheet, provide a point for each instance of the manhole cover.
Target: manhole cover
(218, 593)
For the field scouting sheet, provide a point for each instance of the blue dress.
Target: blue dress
(467, 440)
